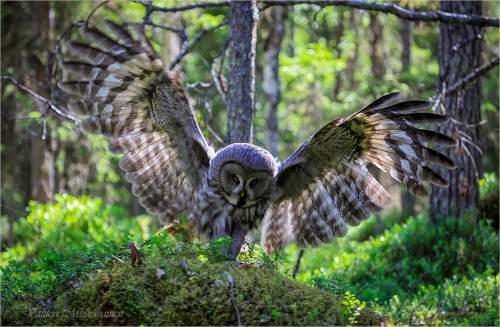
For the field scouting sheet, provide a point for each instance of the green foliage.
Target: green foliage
(374, 227)
(353, 307)
(335, 283)
(458, 301)
(73, 223)
(489, 198)
(413, 253)
(488, 186)
(51, 271)
(329, 55)
(178, 283)
(416, 272)
(84, 276)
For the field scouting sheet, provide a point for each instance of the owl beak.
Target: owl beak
(242, 201)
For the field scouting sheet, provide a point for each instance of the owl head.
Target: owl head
(245, 174)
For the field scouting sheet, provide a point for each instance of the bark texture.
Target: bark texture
(271, 84)
(377, 47)
(43, 174)
(352, 59)
(406, 40)
(459, 54)
(337, 35)
(241, 93)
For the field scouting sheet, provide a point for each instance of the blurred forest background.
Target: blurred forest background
(62, 189)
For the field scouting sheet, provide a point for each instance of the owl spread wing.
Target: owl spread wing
(125, 94)
(325, 185)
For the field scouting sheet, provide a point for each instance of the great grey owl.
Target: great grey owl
(123, 90)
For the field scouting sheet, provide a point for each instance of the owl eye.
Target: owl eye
(235, 178)
(253, 182)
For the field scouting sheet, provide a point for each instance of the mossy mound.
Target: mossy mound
(186, 288)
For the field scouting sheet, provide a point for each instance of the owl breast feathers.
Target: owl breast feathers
(122, 89)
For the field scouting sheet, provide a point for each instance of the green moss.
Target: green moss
(184, 288)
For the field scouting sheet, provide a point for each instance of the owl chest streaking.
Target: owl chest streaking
(120, 88)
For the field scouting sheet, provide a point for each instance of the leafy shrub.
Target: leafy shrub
(458, 301)
(489, 199)
(423, 253)
(411, 254)
(373, 227)
(334, 283)
(53, 270)
(73, 223)
(416, 272)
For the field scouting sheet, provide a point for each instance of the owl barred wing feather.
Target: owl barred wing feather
(120, 86)
(124, 92)
(325, 185)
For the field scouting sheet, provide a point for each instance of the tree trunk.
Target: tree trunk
(42, 170)
(406, 41)
(337, 35)
(43, 175)
(377, 47)
(291, 36)
(407, 204)
(459, 54)
(271, 84)
(352, 59)
(241, 93)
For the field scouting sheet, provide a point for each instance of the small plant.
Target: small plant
(334, 283)
(489, 199)
(313, 316)
(353, 307)
(216, 249)
(276, 316)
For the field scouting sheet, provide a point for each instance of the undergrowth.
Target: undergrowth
(73, 224)
(417, 272)
(75, 264)
(174, 282)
